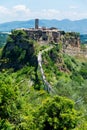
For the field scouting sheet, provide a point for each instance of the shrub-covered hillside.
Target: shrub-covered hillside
(24, 104)
(68, 76)
(18, 51)
(3, 38)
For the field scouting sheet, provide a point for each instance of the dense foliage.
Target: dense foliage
(18, 51)
(57, 113)
(3, 38)
(24, 105)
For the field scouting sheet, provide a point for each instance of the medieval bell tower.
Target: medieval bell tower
(36, 23)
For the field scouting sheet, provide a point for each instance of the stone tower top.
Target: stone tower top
(36, 23)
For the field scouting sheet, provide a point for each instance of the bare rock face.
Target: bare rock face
(71, 43)
(71, 39)
(54, 36)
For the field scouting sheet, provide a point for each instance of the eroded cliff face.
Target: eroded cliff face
(20, 47)
(71, 39)
(54, 36)
(71, 43)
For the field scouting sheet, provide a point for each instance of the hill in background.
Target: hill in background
(66, 25)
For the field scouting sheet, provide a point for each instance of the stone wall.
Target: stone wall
(53, 35)
(44, 35)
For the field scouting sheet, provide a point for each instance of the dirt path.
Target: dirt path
(48, 87)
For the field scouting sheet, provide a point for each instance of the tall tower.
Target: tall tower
(36, 23)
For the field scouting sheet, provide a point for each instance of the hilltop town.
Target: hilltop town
(45, 35)
(37, 74)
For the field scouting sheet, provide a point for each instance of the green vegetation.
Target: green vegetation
(57, 113)
(24, 104)
(68, 76)
(23, 107)
(18, 51)
(3, 38)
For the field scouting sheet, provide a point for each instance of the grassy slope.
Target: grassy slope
(68, 76)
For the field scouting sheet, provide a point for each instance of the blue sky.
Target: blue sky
(17, 10)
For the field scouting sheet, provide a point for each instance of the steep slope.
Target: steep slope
(67, 75)
(18, 51)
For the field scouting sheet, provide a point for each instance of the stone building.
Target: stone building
(51, 35)
(43, 35)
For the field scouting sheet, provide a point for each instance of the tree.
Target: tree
(57, 113)
(15, 112)
(19, 51)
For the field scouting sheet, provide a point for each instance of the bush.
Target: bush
(56, 113)
(83, 71)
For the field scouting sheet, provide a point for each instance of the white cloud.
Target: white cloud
(73, 7)
(21, 12)
(21, 8)
(45, 14)
(50, 13)
(4, 10)
(82, 15)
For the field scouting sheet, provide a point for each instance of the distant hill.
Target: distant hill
(83, 38)
(66, 25)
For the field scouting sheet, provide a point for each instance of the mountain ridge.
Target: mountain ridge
(65, 24)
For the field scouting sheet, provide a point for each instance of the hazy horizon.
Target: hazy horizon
(43, 19)
(21, 10)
